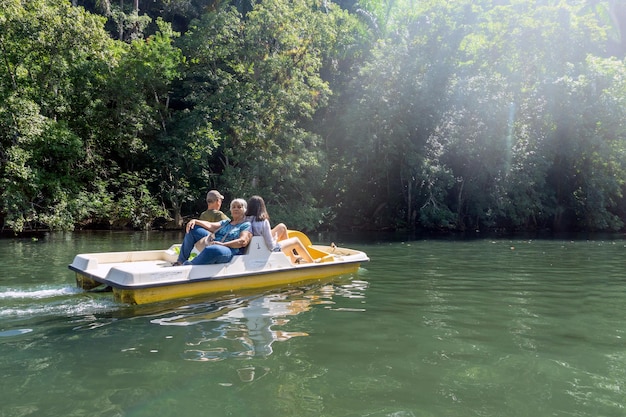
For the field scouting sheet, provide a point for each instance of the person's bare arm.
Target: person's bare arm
(241, 242)
(210, 226)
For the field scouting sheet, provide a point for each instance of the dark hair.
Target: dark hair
(256, 208)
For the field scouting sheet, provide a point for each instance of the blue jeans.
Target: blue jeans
(214, 254)
(189, 241)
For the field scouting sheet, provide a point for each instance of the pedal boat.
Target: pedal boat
(141, 277)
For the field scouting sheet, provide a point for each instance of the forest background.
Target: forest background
(377, 114)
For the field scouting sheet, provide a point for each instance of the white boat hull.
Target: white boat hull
(142, 277)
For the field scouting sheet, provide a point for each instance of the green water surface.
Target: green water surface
(441, 328)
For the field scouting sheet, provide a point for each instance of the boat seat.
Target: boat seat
(256, 246)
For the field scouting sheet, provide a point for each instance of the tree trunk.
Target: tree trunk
(120, 24)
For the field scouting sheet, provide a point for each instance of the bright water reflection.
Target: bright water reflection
(427, 328)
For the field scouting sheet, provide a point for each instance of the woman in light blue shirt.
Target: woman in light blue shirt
(228, 239)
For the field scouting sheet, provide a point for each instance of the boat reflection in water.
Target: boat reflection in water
(246, 327)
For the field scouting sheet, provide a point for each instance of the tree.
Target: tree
(49, 50)
(397, 104)
(77, 108)
(255, 81)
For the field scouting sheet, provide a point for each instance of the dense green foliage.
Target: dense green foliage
(472, 114)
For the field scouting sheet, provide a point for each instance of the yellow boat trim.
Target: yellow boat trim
(191, 289)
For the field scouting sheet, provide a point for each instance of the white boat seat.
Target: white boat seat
(256, 247)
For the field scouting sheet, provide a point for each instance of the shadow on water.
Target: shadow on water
(368, 237)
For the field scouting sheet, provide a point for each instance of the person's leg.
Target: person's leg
(293, 244)
(189, 241)
(214, 254)
(280, 232)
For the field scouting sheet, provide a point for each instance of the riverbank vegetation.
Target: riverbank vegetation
(430, 115)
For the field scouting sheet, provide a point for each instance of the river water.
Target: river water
(483, 327)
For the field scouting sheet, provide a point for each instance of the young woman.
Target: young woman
(276, 239)
(229, 237)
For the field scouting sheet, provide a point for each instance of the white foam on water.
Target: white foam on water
(14, 332)
(49, 300)
(20, 294)
(68, 309)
